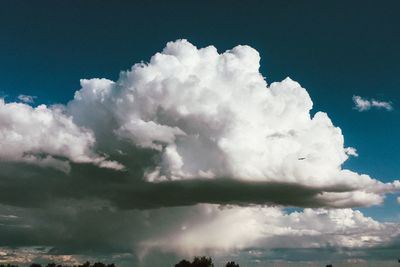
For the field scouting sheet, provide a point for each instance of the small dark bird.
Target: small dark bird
(301, 158)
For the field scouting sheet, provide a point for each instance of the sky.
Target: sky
(144, 132)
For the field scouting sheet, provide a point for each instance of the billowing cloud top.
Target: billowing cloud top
(39, 135)
(204, 117)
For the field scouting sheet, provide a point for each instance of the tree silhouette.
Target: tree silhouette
(183, 263)
(231, 264)
(197, 262)
(99, 264)
(202, 262)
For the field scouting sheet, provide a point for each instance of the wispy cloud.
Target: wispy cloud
(363, 104)
(27, 98)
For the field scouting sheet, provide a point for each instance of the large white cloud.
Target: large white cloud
(216, 132)
(212, 115)
(204, 115)
(46, 137)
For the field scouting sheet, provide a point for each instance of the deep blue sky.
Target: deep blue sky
(334, 49)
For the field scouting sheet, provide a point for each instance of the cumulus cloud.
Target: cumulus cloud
(205, 144)
(27, 98)
(362, 104)
(194, 117)
(210, 115)
(46, 137)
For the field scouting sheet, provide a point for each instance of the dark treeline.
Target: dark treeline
(196, 262)
(202, 262)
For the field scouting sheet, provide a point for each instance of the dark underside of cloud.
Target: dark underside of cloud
(97, 229)
(37, 187)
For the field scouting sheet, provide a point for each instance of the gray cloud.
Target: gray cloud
(95, 229)
(35, 187)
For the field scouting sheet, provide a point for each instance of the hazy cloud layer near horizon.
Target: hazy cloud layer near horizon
(93, 228)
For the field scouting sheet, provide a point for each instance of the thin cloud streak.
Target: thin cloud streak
(363, 104)
(27, 98)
